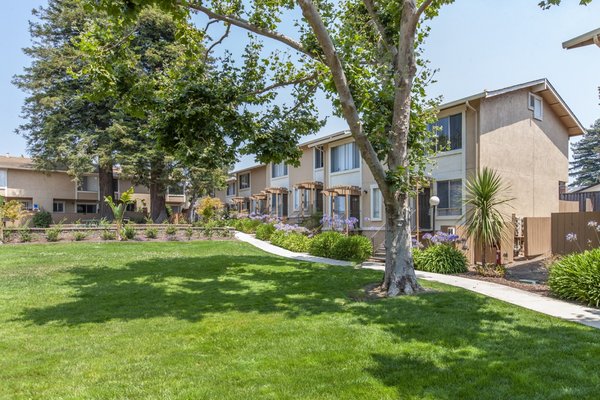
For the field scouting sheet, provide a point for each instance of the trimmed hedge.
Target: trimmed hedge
(577, 277)
(441, 259)
(340, 247)
(264, 231)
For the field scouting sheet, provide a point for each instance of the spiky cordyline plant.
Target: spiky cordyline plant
(484, 220)
(119, 208)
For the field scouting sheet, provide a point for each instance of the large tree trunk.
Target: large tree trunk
(399, 277)
(105, 188)
(158, 208)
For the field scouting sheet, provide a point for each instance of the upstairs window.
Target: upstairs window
(278, 170)
(449, 132)
(176, 189)
(345, 157)
(3, 178)
(231, 189)
(245, 181)
(318, 157)
(450, 194)
(537, 106)
(88, 184)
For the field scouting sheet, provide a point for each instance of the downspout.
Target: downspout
(477, 145)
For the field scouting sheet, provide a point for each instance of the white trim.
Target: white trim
(371, 202)
(533, 108)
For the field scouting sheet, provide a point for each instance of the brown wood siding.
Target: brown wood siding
(577, 223)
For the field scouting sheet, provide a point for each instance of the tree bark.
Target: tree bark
(399, 277)
(105, 188)
(158, 190)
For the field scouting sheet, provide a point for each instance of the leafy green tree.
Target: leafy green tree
(585, 167)
(64, 124)
(9, 211)
(485, 221)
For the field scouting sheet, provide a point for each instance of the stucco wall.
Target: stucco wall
(530, 155)
(40, 187)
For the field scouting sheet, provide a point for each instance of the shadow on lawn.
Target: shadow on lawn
(458, 340)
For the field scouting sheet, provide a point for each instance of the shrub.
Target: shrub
(209, 208)
(322, 244)
(189, 232)
(151, 233)
(53, 234)
(108, 235)
(129, 232)
(352, 248)
(171, 231)
(577, 277)
(264, 231)
(42, 219)
(79, 236)
(247, 225)
(292, 241)
(26, 235)
(441, 259)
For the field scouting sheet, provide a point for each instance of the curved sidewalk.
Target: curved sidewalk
(568, 311)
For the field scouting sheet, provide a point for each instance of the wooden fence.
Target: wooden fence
(577, 224)
(588, 201)
(537, 236)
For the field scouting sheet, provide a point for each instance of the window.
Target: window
(26, 205)
(115, 185)
(375, 204)
(278, 170)
(87, 208)
(345, 157)
(3, 178)
(58, 207)
(318, 157)
(231, 189)
(449, 132)
(176, 209)
(245, 181)
(298, 198)
(130, 207)
(339, 204)
(175, 189)
(450, 194)
(88, 184)
(537, 106)
(562, 187)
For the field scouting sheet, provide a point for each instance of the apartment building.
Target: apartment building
(521, 131)
(244, 192)
(67, 200)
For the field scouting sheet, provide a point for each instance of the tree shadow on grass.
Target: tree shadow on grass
(448, 344)
(189, 288)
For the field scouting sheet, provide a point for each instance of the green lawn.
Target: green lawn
(223, 320)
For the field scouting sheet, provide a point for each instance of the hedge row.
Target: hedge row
(577, 277)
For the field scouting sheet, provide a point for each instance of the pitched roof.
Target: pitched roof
(541, 87)
(591, 37)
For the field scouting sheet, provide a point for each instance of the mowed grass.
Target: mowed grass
(223, 320)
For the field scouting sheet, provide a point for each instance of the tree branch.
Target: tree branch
(286, 83)
(350, 112)
(422, 8)
(370, 5)
(212, 46)
(241, 23)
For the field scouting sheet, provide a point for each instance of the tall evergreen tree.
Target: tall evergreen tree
(65, 125)
(585, 167)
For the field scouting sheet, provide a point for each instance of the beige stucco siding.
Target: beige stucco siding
(258, 179)
(530, 155)
(40, 187)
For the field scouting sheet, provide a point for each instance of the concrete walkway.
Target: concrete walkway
(571, 312)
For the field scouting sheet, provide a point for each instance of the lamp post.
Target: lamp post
(433, 202)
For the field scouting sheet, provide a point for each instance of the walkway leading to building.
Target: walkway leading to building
(571, 312)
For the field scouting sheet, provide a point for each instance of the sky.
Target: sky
(474, 44)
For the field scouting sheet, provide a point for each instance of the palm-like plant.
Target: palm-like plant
(119, 208)
(484, 220)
